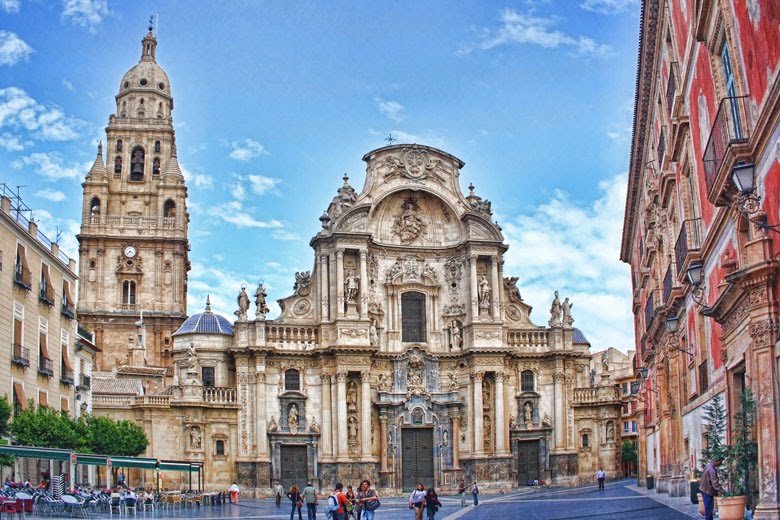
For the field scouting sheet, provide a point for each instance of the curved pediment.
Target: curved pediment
(479, 228)
(414, 218)
(354, 221)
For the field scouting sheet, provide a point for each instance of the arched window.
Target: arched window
(128, 293)
(413, 317)
(137, 164)
(118, 145)
(527, 381)
(292, 380)
(219, 448)
(169, 209)
(117, 164)
(157, 143)
(156, 166)
(94, 207)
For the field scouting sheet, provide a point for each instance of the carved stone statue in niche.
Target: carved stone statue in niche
(243, 304)
(512, 422)
(313, 426)
(555, 312)
(456, 338)
(384, 383)
(414, 384)
(302, 285)
(195, 438)
(528, 413)
(453, 381)
(351, 286)
(486, 400)
(272, 426)
(484, 291)
(488, 431)
(352, 432)
(610, 431)
(373, 336)
(352, 396)
(192, 359)
(260, 301)
(445, 438)
(292, 418)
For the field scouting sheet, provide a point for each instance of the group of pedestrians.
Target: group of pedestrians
(340, 505)
(462, 488)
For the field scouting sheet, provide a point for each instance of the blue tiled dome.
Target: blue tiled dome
(206, 323)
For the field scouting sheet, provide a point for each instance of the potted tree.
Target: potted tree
(714, 419)
(741, 460)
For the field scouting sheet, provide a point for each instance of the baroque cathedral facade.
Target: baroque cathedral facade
(405, 354)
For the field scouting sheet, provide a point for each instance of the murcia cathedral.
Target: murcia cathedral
(404, 354)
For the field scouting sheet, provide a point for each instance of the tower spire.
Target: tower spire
(149, 45)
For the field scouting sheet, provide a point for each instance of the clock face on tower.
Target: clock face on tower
(129, 251)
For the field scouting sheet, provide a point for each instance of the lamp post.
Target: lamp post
(743, 175)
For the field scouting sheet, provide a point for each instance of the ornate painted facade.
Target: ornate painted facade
(405, 354)
(708, 101)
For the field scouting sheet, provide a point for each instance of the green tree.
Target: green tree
(743, 451)
(5, 416)
(628, 451)
(110, 437)
(45, 428)
(714, 418)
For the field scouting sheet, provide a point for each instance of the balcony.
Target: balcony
(45, 296)
(596, 394)
(21, 356)
(670, 283)
(66, 378)
(671, 87)
(217, 394)
(688, 244)
(85, 384)
(649, 311)
(729, 129)
(661, 148)
(22, 277)
(68, 311)
(45, 366)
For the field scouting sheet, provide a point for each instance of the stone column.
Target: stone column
(340, 283)
(363, 284)
(334, 417)
(473, 289)
(262, 436)
(479, 445)
(560, 411)
(365, 416)
(326, 436)
(341, 384)
(500, 426)
(494, 282)
(455, 417)
(324, 296)
(332, 296)
(383, 443)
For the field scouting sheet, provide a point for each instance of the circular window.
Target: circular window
(127, 84)
(161, 85)
(143, 82)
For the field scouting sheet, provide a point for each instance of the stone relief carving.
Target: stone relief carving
(313, 426)
(415, 385)
(510, 286)
(272, 426)
(408, 226)
(411, 163)
(302, 285)
(385, 383)
(478, 203)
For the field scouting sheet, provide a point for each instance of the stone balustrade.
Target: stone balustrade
(292, 337)
(153, 400)
(530, 340)
(127, 222)
(216, 394)
(596, 394)
(112, 401)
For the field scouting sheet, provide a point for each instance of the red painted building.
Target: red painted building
(707, 102)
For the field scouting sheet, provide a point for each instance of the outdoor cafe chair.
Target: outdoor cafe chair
(74, 505)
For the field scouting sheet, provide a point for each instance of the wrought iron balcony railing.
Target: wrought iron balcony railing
(85, 383)
(66, 377)
(22, 277)
(68, 310)
(21, 356)
(46, 296)
(649, 311)
(730, 127)
(671, 87)
(45, 366)
(688, 241)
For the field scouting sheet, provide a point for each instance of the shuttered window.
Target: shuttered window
(413, 317)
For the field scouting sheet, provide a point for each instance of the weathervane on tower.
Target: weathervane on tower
(390, 139)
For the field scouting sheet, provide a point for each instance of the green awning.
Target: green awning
(36, 453)
(179, 466)
(91, 460)
(133, 462)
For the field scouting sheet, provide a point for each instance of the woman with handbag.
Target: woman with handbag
(368, 501)
(297, 502)
(351, 512)
(417, 500)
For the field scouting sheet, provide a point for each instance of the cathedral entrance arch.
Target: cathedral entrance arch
(417, 457)
(294, 467)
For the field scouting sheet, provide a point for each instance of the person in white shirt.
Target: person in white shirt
(234, 491)
(416, 501)
(601, 476)
(278, 493)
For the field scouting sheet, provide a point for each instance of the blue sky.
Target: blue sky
(275, 101)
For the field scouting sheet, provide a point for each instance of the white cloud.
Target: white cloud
(609, 6)
(235, 213)
(238, 191)
(19, 110)
(573, 248)
(199, 180)
(62, 231)
(11, 143)
(13, 49)
(391, 109)
(10, 6)
(52, 166)
(246, 150)
(526, 29)
(85, 13)
(261, 184)
(281, 234)
(52, 195)
(68, 85)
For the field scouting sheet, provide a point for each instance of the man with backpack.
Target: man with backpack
(336, 506)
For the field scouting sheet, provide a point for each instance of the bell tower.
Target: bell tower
(133, 242)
